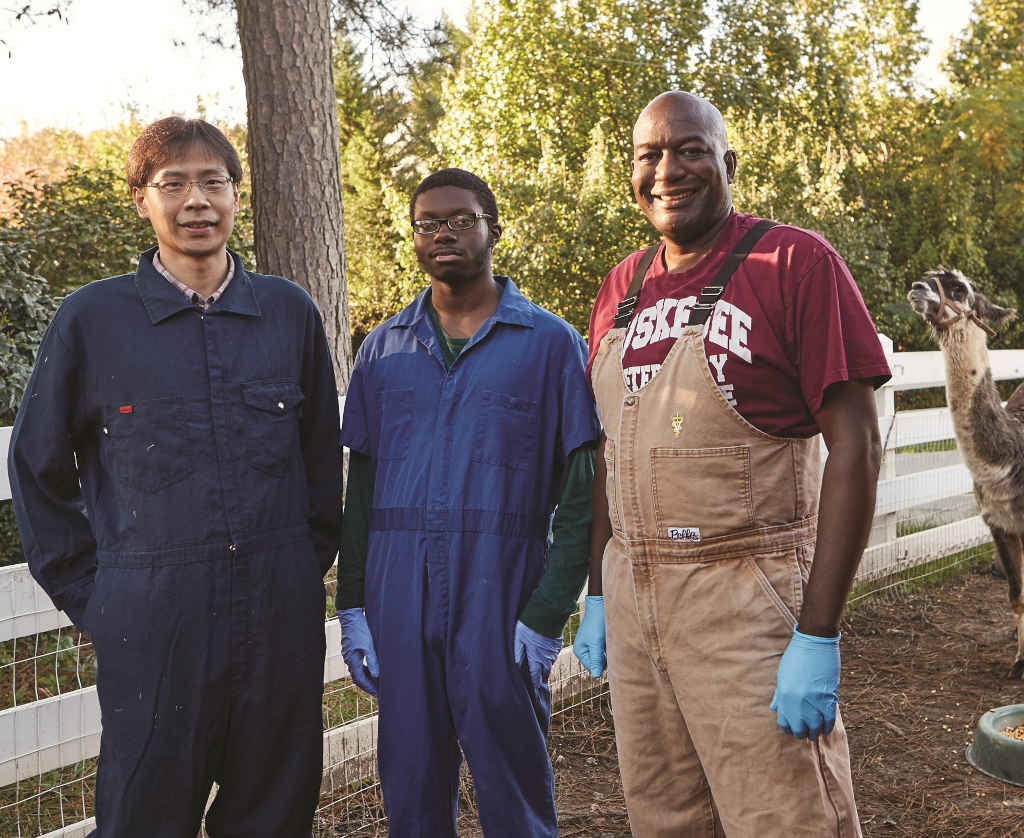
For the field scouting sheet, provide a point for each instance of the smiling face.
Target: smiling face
(682, 168)
(455, 257)
(195, 225)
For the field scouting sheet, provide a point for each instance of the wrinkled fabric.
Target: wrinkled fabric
(193, 551)
(466, 462)
(713, 530)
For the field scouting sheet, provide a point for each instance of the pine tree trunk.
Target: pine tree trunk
(293, 156)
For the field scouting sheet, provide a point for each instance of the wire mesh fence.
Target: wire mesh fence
(33, 669)
(926, 526)
(44, 668)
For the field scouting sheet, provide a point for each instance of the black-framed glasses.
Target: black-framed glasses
(177, 188)
(462, 221)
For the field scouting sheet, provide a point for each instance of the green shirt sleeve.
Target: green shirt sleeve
(355, 532)
(568, 560)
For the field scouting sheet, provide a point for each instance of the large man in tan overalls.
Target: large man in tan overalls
(717, 357)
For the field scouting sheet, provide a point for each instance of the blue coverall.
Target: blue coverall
(194, 547)
(467, 467)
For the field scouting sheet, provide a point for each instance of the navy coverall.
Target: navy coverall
(190, 541)
(467, 467)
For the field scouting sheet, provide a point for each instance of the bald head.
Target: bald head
(682, 169)
(694, 107)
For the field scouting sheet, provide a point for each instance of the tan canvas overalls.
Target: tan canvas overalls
(713, 527)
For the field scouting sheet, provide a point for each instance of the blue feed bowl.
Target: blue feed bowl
(992, 752)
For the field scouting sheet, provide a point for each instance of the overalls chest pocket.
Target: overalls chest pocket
(272, 424)
(148, 443)
(506, 431)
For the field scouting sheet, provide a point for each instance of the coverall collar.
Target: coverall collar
(513, 309)
(162, 299)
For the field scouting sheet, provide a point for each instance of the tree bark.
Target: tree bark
(293, 156)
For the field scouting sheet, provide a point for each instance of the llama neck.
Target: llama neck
(966, 357)
(971, 393)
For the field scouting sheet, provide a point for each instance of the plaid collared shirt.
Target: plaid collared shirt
(194, 297)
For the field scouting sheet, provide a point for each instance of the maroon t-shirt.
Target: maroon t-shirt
(790, 323)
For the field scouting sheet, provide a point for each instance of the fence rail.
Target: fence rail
(924, 489)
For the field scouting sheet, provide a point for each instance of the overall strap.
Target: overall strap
(625, 312)
(711, 293)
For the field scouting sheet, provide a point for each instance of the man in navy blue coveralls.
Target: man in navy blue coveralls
(469, 418)
(176, 482)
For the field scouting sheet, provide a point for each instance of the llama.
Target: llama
(990, 437)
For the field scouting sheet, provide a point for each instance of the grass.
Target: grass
(913, 525)
(59, 661)
(928, 447)
(44, 665)
(344, 703)
(923, 576)
(48, 802)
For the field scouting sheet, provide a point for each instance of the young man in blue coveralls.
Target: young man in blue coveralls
(176, 482)
(469, 419)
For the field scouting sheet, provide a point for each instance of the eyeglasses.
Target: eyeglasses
(462, 221)
(177, 188)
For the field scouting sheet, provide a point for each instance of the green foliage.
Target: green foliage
(832, 134)
(83, 226)
(542, 107)
(26, 307)
(384, 139)
(992, 44)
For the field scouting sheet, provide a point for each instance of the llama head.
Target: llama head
(950, 304)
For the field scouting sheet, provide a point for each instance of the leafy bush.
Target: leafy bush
(26, 307)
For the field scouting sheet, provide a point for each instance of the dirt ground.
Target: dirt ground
(918, 671)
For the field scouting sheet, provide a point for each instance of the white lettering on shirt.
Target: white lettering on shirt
(718, 332)
(728, 327)
(644, 327)
(718, 362)
(683, 309)
(739, 322)
(637, 377)
(663, 331)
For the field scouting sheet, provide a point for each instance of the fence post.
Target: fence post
(884, 528)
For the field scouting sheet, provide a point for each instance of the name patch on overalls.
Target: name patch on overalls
(684, 533)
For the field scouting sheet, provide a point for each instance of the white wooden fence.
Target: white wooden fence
(915, 485)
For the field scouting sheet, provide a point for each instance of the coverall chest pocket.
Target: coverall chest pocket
(506, 431)
(707, 489)
(149, 443)
(396, 409)
(272, 424)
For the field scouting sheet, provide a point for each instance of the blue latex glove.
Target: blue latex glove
(589, 643)
(357, 645)
(807, 686)
(540, 652)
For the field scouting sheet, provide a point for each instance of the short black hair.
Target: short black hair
(461, 179)
(168, 138)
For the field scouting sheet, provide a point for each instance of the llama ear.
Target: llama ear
(996, 315)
